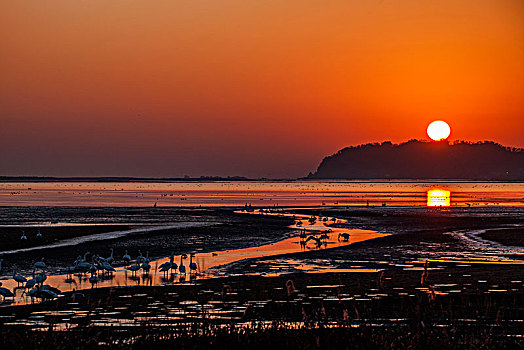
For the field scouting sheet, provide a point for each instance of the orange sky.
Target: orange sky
(248, 87)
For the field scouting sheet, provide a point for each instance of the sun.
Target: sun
(438, 130)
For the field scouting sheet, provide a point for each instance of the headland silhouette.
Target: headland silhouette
(417, 159)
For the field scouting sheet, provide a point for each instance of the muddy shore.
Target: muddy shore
(461, 288)
(224, 230)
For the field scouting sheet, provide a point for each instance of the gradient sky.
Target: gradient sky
(248, 87)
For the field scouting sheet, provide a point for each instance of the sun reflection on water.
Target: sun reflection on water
(439, 198)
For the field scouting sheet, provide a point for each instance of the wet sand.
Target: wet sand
(223, 230)
(506, 236)
(209, 262)
(466, 301)
(468, 283)
(10, 235)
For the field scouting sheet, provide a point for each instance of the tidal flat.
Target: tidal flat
(401, 275)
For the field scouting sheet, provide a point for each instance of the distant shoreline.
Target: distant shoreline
(127, 179)
(124, 179)
(481, 161)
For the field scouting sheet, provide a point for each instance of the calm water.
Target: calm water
(262, 193)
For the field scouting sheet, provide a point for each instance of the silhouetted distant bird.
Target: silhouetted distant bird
(83, 267)
(18, 278)
(5, 293)
(93, 279)
(107, 267)
(344, 235)
(30, 282)
(192, 265)
(23, 237)
(168, 265)
(126, 257)
(181, 267)
(69, 270)
(303, 234)
(41, 278)
(174, 266)
(111, 258)
(317, 241)
(39, 234)
(145, 267)
(82, 259)
(134, 268)
(39, 264)
(41, 293)
(51, 289)
(165, 268)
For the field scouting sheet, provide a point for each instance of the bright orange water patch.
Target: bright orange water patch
(439, 198)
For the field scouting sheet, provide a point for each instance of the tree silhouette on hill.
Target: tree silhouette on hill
(416, 159)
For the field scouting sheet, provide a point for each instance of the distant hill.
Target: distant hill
(424, 160)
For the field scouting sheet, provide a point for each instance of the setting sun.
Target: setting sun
(438, 130)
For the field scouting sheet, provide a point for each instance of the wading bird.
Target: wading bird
(192, 265)
(181, 267)
(80, 259)
(165, 267)
(110, 258)
(83, 267)
(303, 234)
(39, 264)
(51, 289)
(344, 235)
(41, 277)
(145, 267)
(5, 293)
(134, 268)
(30, 282)
(42, 293)
(317, 241)
(324, 236)
(107, 267)
(18, 278)
(93, 279)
